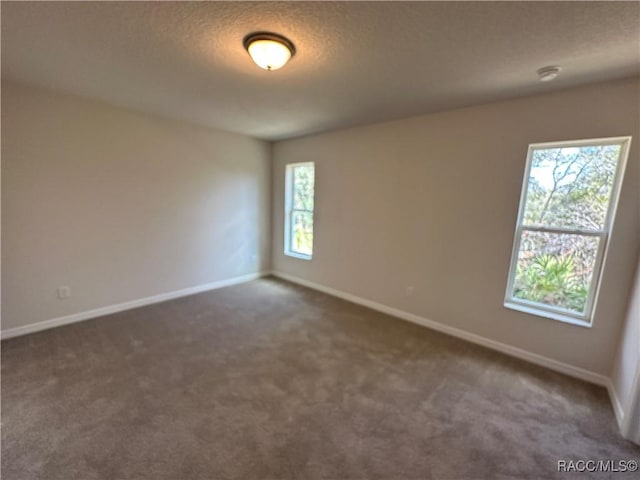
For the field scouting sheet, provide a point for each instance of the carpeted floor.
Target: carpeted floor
(268, 380)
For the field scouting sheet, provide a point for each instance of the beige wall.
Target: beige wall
(431, 202)
(627, 360)
(121, 206)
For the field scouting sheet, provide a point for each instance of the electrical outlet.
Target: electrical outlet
(63, 292)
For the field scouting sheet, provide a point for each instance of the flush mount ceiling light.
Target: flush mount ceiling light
(269, 50)
(546, 74)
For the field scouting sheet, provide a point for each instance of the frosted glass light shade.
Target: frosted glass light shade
(268, 50)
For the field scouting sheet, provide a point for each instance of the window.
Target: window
(566, 212)
(298, 225)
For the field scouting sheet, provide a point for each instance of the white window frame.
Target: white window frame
(289, 211)
(557, 313)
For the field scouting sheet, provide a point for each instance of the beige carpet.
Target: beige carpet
(268, 380)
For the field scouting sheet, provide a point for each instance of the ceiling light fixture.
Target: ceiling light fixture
(269, 50)
(546, 74)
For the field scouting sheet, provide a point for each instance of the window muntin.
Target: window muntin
(299, 197)
(567, 207)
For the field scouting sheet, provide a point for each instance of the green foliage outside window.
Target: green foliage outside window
(568, 189)
(552, 280)
(302, 213)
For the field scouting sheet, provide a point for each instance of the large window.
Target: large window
(566, 212)
(298, 224)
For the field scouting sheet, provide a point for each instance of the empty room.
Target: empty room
(320, 240)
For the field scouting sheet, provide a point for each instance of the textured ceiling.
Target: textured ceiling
(357, 62)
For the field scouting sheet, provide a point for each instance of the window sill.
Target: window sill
(301, 256)
(547, 314)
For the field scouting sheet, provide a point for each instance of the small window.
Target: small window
(298, 225)
(567, 207)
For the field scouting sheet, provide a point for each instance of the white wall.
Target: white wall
(431, 202)
(627, 365)
(121, 206)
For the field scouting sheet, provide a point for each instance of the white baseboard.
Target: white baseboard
(99, 312)
(616, 403)
(550, 363)
(629, 418)
(627, 413)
